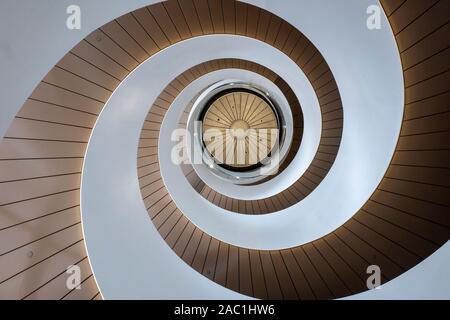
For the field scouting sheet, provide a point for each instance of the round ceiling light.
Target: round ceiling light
(241, 132)
(240, 128)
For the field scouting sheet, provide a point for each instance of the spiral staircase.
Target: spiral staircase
(362, 177)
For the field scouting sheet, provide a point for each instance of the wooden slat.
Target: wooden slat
(405, 220)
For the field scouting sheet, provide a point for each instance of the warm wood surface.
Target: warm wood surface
(405, 220)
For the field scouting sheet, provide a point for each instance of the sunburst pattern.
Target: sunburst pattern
(240, 129)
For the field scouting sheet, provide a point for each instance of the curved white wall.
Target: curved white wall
(306, 152)
(346, 188)
(23, 68)
(34, 37)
